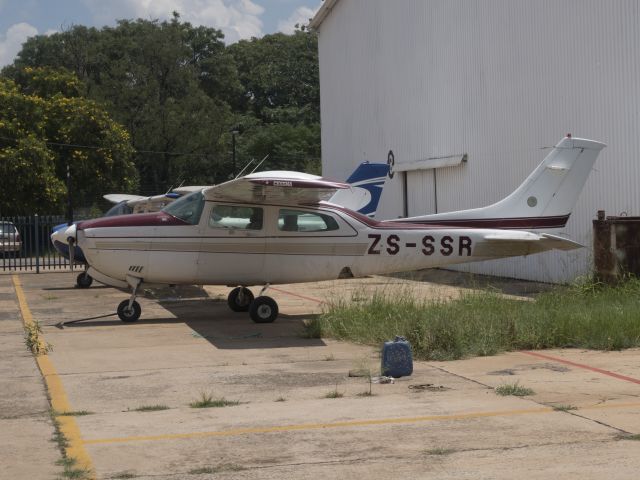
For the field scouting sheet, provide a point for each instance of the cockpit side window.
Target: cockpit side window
(233, 216)
(301, 221)
(119, 209)
(187, 208)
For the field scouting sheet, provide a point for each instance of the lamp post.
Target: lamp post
(69, 204)
(233, 143)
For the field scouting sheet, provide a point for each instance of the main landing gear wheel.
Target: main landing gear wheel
(263, 310)
(84, 280)
(129, 313)
(239, 299)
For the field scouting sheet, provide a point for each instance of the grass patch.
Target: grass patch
(207, 400)
(587, 315)
(329, 358)
(71, 470)
(281, 399)
(202, 470)
(150, 408)
(334, 394)
(223, 467)
(440, 451)
(514, 389)
(124, 475)
(77, 413)
(58, 436)
(33, 339)
(69, 464)
(563, 407)
(630, 436)
(366, 393)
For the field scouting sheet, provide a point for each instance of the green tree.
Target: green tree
(46, 126)
(167, 82)
(279, 111)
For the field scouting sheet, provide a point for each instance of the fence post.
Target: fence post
(37, 229)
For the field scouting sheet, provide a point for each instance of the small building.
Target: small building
(468, 95)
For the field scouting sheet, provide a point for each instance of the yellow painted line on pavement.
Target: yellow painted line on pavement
(59, 401)
(344, 424)
(320, 426)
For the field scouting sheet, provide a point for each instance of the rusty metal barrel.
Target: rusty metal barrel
(616, 247)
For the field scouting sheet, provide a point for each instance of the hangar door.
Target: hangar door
(420, 183)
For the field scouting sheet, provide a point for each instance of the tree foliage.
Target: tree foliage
(280, 106)
(179, 92)
(45, 127)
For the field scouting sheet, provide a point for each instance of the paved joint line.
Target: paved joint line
(311, 299)
(583, 366)
(343, 424)
(57, 394)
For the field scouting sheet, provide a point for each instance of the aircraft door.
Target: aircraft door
(233, 243)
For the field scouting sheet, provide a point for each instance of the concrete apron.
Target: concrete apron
(285, 427)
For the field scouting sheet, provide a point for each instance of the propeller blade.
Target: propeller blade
(72, 251)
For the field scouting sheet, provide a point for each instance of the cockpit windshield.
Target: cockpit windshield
(187, 208)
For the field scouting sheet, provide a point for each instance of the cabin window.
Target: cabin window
(301, 221)
(231, 216)
(188, 208)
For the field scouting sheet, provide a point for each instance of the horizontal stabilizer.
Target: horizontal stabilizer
(122, 197)
(517, 243)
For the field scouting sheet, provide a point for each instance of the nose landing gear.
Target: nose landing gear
(84, 280)
(130, 310)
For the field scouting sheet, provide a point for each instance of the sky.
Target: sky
(238, 19)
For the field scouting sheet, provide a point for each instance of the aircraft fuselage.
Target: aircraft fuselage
(327, 242)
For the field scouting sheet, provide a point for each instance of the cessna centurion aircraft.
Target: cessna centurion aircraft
(278, 227)
(366, 184)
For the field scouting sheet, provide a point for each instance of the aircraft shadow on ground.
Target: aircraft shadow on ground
(212, 320)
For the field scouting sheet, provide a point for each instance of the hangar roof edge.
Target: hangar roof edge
(322, 13)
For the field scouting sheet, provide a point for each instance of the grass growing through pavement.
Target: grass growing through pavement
(564, 407)
(514, 389)
(71, 469)
(206, 400)
(76, 413)
(440, 451)
(483, 323)
(150, 408)
(34, 341)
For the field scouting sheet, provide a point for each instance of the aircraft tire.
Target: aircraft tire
(263, 310)
(84, 280)
(127, 314)
(233, 300)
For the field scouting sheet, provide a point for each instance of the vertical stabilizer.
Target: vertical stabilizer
(367, 182)
(544, 201)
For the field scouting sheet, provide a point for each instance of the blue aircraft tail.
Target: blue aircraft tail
(367, 182)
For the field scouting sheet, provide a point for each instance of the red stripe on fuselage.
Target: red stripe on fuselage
(135, 220)
(530, 223)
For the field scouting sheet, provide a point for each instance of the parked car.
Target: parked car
(10, 240)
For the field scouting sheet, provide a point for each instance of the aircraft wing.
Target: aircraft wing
(516, 243)
(188, 189)
(122, 197)
(278, 187)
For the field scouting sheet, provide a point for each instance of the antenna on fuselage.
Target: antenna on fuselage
(245, 167)
(261, 162)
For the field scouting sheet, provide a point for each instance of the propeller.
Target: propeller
(72, 250)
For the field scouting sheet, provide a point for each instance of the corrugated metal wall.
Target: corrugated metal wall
(497, 79)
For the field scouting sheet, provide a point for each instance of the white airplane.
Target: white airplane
(277, 227)
(366, 184)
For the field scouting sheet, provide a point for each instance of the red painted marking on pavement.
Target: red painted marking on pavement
(586, 367)
(296, 295)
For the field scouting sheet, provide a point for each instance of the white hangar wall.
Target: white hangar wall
(496, 79)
